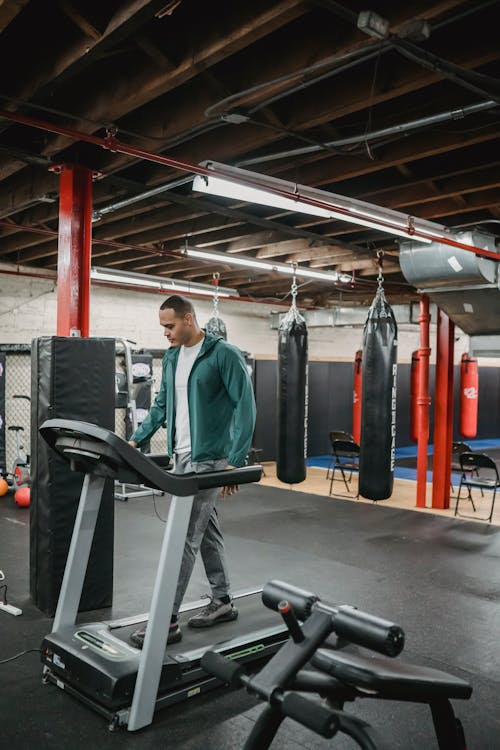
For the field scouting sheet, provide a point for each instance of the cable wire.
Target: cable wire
(22, 653)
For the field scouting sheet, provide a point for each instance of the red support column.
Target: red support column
(423, 401)
(443, 412)
(75, 240)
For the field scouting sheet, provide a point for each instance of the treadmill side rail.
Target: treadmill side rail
(79, 552)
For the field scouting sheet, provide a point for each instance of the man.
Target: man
(207, 400)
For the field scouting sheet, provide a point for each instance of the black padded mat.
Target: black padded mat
(437, 577)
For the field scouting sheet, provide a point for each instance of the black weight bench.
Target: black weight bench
(387, 679)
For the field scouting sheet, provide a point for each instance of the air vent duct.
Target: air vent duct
(462, 284)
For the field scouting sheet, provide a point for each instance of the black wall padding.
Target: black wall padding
(292, 399)
(3, 467)
(330, 404)
(378, 411)
(71, 378)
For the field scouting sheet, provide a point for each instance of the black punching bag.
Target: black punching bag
(292, 398)
(217, 326)
(378, 411)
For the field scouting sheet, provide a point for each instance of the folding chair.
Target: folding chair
(456, 450)
(336, 435)
(480, 471)
(346, 460)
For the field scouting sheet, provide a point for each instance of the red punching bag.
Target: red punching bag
(356, 397)
(469, 387)
(414, 378)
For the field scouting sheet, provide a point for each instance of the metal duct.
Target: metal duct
(464, 285)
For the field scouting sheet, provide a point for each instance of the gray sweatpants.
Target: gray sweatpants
(203, 534)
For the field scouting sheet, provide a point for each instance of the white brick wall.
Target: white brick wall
(28, 308)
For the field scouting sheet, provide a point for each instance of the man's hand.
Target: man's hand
(133, 443)
(230, 489)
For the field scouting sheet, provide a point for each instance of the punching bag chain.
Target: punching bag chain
(380, 278)
(294, 286)
(216, 277)
(216, 325)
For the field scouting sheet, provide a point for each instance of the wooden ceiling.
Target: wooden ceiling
(288, 88)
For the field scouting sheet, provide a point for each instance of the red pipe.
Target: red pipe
(73, 267)
(443, 412)
(96, 240)
(414, 380)
(111, 143)
(423, 402)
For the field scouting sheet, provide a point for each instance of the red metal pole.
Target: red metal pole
(443, 412)
(75, 240)
(423, 401)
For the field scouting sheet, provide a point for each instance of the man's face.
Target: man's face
(178, 330)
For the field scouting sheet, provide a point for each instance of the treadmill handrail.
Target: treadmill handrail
(181, 485)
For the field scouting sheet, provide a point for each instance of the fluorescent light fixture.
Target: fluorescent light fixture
(158, 282)
(261, 265)
(252, 187)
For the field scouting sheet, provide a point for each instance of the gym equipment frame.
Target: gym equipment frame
(125, 684)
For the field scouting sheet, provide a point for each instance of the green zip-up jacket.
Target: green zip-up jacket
(221, 403)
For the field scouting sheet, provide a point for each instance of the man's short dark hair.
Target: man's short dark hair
(179, 304)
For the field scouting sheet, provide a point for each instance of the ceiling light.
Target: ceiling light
(252, 187)
(261, 265)
(158, 282)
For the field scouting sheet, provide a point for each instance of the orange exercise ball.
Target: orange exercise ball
(4, 487)
(22, 497)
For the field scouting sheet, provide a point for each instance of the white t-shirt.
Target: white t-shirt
(187, 356)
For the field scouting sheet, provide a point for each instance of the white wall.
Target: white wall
(28, 308)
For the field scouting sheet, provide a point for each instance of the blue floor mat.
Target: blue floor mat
(410, 451)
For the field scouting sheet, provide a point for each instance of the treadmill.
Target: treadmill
(94, 661)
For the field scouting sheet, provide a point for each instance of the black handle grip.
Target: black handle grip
(310, 715)
(301, 601)
(369, 631)
(286, 611)
(225, 670)
(244, 475)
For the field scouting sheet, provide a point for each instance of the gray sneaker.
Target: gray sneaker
(215, 612)
(174, 635)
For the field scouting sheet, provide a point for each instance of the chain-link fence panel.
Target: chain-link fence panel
(17, 406)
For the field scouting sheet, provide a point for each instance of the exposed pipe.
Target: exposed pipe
(111, 143)
(95, 241)
(454, 114)
(214, 109)
(466, 79)
(112, 207)
(372, 52)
